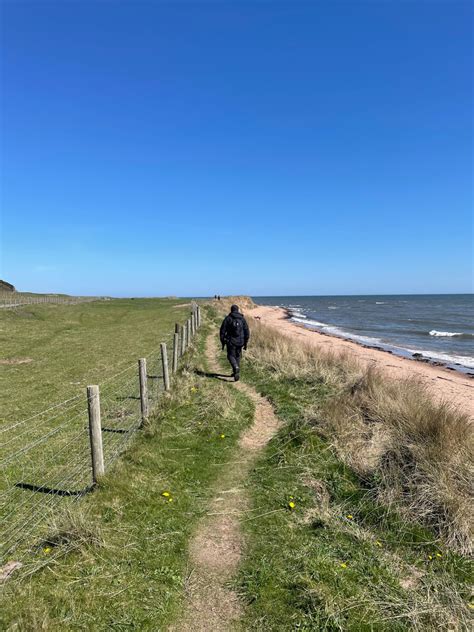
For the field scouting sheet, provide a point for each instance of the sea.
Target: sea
(435, 327)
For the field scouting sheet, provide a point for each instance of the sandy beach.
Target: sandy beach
(444, 384)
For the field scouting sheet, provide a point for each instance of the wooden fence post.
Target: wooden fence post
(164, 360)
(142, 374)
(175, 352)
(193, 322)
(198, 316)
(183, 339)
(95, 432)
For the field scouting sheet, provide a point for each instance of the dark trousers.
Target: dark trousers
(233, 355)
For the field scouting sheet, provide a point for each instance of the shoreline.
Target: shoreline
(391, 349)
(445, 383)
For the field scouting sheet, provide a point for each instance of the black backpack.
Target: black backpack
(235, 327)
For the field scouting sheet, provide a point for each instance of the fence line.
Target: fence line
(66, 452)
(17, 299)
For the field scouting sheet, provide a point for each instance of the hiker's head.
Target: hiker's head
(234, 309)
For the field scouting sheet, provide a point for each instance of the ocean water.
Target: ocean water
(440, 327)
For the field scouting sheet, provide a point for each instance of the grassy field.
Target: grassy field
(49, 354)
(119, 560)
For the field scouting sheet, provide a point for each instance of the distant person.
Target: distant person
(235, 334)
(218, 297)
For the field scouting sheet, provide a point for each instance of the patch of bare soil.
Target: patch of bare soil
(217, 545)
(10, 361)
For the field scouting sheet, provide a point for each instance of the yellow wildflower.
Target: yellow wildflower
(378, 543)
(193, 389)
(430, 557)
(291, 504)
(350, 516)
(165, 494)
(222, 436)
(343, 565)
(47, 550)
(438, 555)
(170, 500)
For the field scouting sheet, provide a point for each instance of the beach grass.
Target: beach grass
(328, 553)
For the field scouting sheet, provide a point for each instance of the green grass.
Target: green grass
(70, 346)
(338, 560)
(120, 560)
(67, 348)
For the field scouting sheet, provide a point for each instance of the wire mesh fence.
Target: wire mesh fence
(45, 459)
(17, 299)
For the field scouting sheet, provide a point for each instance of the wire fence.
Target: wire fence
(47, 460)
(17, 299)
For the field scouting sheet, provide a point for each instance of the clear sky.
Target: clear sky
(188, 148)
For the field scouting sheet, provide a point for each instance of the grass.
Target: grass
(119, 559)
(65, 348)
(337, 544)
(340, 544)
(415, 454)
(338, 560)
(51, 352)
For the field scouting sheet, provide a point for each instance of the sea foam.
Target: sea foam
(449, 334)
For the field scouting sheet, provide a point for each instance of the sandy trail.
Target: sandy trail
(444, 384)
(216, 548)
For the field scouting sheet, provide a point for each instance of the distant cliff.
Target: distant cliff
(6, 287)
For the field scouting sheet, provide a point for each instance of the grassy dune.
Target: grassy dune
(378, 476)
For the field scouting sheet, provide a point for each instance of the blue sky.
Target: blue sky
(155, 148)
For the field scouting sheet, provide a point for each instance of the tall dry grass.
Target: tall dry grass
(416, 453)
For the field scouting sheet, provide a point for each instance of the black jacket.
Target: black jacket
(234, 330)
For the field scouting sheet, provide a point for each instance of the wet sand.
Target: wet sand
(444, 384)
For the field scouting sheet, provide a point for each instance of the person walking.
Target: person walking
(234, 334)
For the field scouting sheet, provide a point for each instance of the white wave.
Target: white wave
(332, 307)
(440, 334)
(301, 318)
(465, 361)
(380, 302)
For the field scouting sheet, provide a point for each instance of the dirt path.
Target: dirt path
(216, 548)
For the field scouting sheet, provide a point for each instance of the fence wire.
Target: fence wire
(11, 300)
(45, 460)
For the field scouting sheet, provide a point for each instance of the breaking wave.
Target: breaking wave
(449, 334)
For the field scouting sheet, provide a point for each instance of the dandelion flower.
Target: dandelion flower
(350, 516)
(222, 436)
(343, 565)
(430, 557)
(165, 494)
(291, 504)
(47, 550)
(170, 500)
(438, 555)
